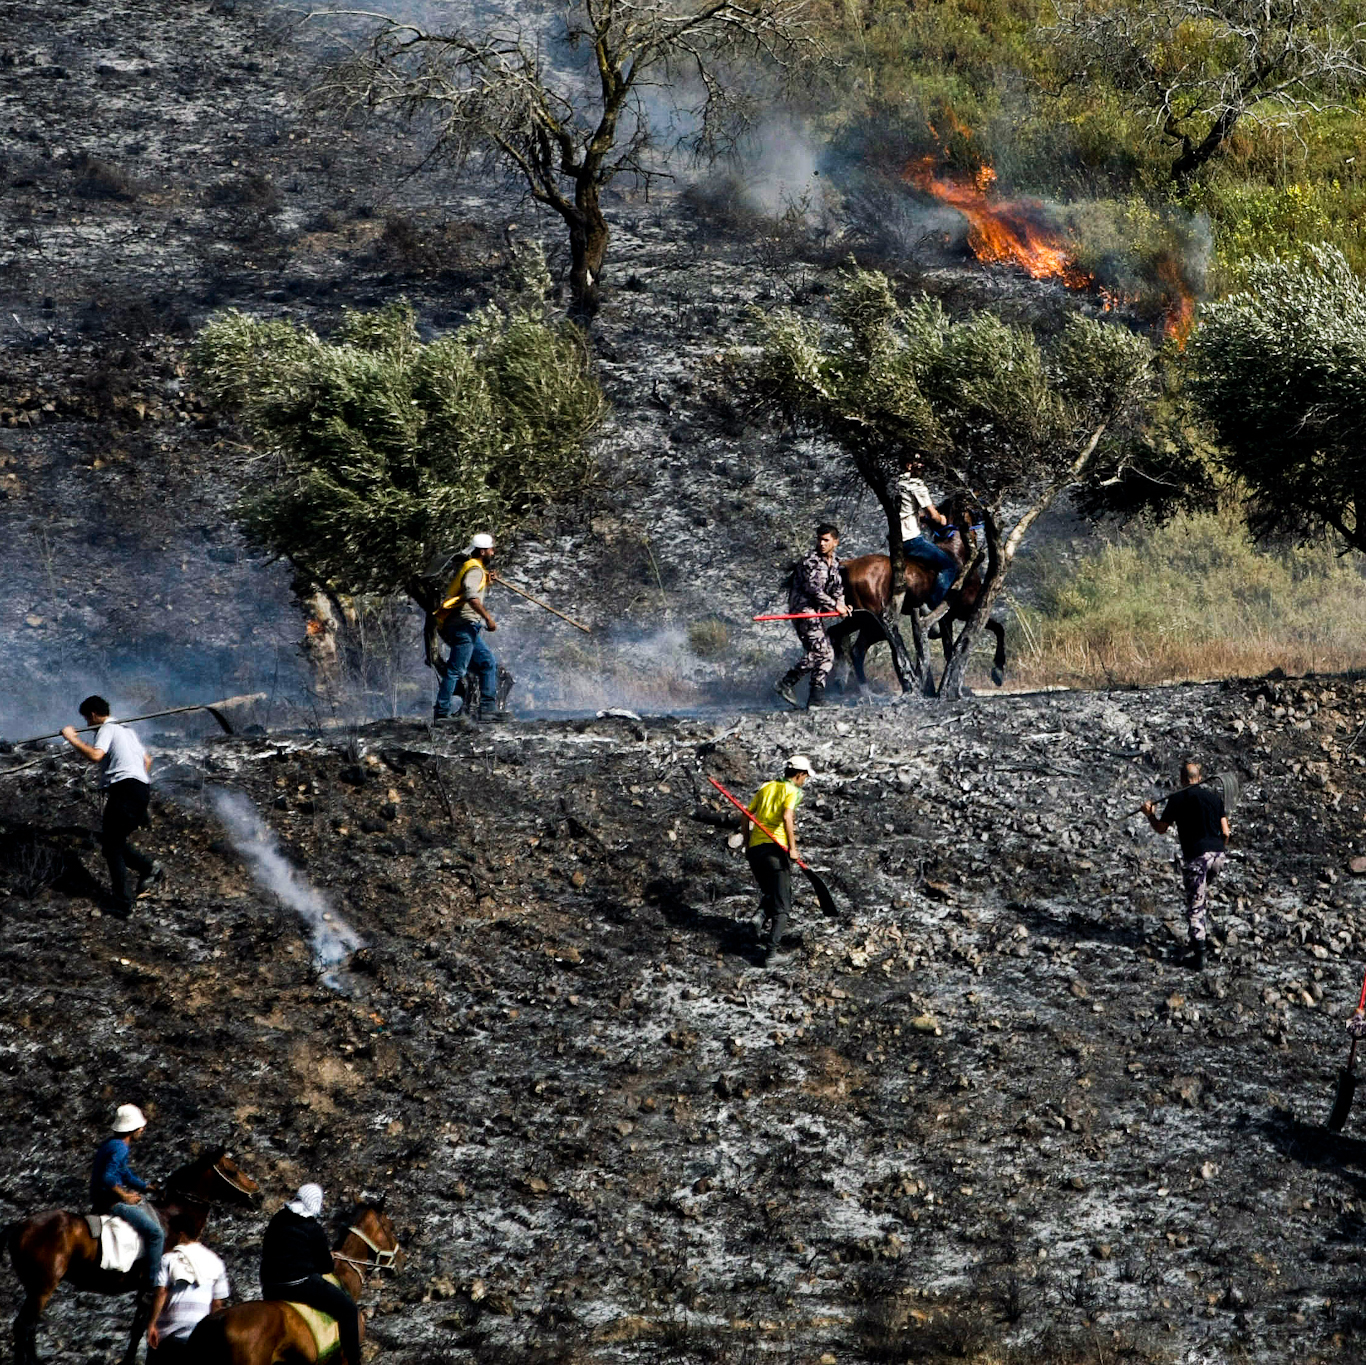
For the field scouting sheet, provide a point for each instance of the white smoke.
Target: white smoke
(333, 938)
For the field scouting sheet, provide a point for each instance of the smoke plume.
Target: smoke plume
(333, 938)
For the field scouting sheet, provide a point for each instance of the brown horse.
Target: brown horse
(265, 1331)
(58, 1245)
(867, 589)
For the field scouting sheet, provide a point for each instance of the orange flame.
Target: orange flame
(1005, 231)
(1180, 317)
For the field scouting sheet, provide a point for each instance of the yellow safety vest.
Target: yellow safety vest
(453, 598)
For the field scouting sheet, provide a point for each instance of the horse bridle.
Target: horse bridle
(385, 1258)
(217, 1169)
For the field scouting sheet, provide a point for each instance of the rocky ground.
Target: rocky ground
(982, 1114)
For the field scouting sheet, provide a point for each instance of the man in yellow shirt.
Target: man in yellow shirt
(774, 807)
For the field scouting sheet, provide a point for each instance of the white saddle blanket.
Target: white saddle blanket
(120, 1242)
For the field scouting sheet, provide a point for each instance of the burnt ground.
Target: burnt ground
(981, 1114)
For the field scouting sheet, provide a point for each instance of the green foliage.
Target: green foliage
(1283, 219)
(992, 412)
(376, 449)
(1278, 370)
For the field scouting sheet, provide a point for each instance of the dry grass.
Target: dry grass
(1195, 599)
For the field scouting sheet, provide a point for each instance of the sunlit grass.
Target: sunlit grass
(1195, 599)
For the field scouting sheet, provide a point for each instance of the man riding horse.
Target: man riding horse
(114, 1189)
(913, 498)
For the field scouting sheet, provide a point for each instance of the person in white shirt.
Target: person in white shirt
(124, 767)
(191, 1283)
(915, 501)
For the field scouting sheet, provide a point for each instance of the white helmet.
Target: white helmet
(483, 541)
(799, 763)
(129, 1119)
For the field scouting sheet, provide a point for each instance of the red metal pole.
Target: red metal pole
(745, 811)
(796, 616)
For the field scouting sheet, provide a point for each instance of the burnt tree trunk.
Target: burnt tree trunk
(951, 684)
(588, 237)
(1195, 154)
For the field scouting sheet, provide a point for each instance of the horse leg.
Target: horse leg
(142, 1317)
(26, 1324)
(998, 662)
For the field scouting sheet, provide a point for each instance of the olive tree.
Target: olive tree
(1278, 370)
(572, 104)
(996, 416)
(1196, 68)
(373, 451)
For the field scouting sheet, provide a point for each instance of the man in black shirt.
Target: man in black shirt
(294, 1258)
(1197, 811)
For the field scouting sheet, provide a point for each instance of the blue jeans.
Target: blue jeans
(145, 1220)
(924, 551)
(468, 651)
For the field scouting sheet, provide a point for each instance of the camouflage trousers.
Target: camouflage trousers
(819, 658)
(1196, 875)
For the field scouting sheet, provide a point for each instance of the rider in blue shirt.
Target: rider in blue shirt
(116, 1190)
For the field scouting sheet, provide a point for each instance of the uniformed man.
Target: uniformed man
(816, 587)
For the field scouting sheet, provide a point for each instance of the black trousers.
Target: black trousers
(125, 809)
(326, 1298)
(172, 1351)
(772, 869)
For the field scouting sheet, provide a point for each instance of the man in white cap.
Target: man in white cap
(191, 1283)
(115, 1189)
(294, 1258)
(461, 617)
(774, 807)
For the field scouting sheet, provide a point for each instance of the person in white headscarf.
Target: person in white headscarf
(294, 1258)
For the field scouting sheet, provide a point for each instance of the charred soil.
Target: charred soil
(984, 1112)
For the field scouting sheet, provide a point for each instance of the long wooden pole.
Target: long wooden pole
(522, 592)
(212, 707)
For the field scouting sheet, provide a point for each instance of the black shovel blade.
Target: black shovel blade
(224, 723)
(827, 901)
(1342, 1102)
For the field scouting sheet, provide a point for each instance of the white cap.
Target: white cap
(129, 1119)
(799, 763)
(483, 541)
(308, 1201)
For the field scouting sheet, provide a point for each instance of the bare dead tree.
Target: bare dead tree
(565, 107)
(1199, 67)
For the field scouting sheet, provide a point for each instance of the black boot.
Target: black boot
(786, 686)
(1196, 958)
(817, 697)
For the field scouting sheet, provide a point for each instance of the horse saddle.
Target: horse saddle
(326, 1334)
(120, 1242)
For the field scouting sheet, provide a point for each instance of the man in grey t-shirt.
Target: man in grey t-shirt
(124, 765)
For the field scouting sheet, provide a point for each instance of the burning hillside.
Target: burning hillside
(1025, 233)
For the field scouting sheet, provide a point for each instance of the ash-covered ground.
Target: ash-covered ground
(982, 1114)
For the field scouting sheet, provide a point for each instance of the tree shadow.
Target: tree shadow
(37, 858)
(1077, 926)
